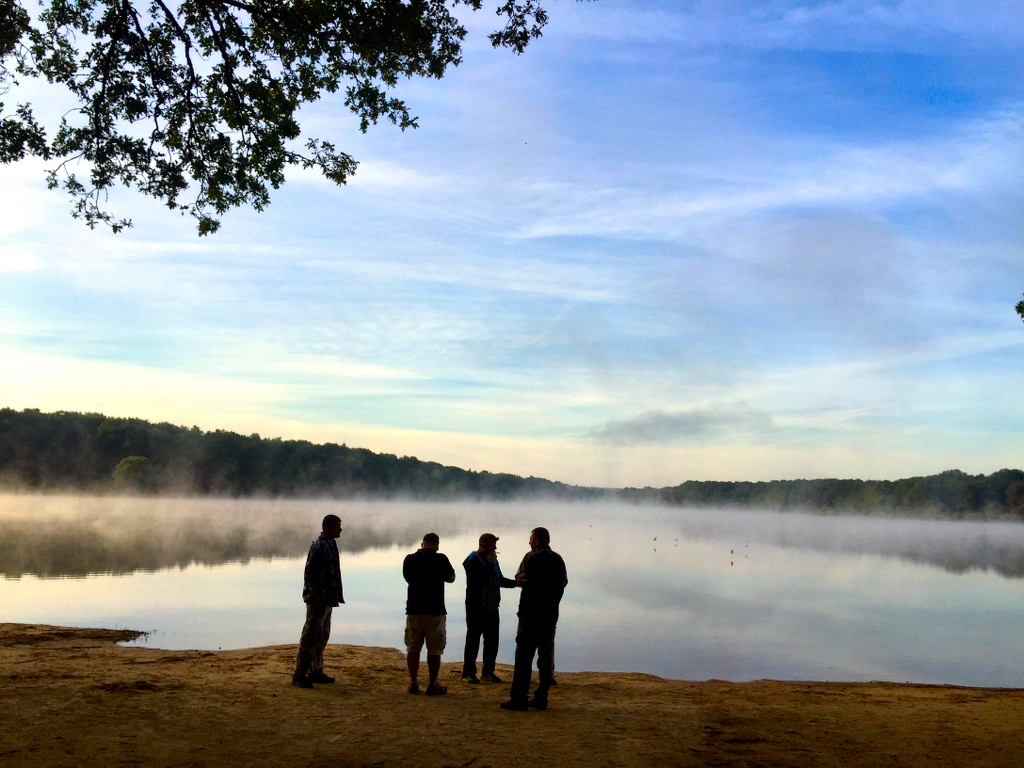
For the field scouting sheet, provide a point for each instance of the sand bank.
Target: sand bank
(72, 697)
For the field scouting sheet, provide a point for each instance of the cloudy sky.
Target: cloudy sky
(673, 240)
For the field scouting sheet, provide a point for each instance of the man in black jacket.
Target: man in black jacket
(543, 579)
(426, 571)
(483, 596)
(321, 592)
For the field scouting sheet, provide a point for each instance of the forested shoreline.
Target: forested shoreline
(93, 453)
(950, 494)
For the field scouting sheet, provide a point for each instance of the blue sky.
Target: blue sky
(671, 241)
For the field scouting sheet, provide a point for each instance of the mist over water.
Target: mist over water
(60, 536)
(682, 593)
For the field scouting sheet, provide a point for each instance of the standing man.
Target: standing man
(321, 592)
(483, 596)
(426, 570)
(543, 579)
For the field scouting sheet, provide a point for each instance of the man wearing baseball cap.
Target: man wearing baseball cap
(426, 571)
(483, 596)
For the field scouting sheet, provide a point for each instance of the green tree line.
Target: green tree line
(91, 452)
(94, 453)
(952, 494)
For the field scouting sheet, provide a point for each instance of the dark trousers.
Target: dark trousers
(480, 623)
(533, 638)
(315, 633)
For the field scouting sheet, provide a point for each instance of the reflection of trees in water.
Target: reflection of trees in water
(954, 546)
(79, 546)
(914, 542)
(1006, 560)
(54, 536)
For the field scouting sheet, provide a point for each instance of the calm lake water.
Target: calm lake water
(692, 594)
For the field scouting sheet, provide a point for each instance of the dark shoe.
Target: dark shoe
(536, 703)
(302, 682)
(414, 687)
(515, 706)
(490, 677)
(471, 679)
(320, 677)
(435, 689)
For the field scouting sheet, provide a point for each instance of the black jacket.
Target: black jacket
(483, 583)
(426, 571)
(544, 582)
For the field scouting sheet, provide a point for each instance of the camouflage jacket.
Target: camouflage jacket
(322, 579)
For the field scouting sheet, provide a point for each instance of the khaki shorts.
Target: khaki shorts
(429, 628)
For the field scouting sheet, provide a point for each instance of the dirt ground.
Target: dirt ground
(70, 697)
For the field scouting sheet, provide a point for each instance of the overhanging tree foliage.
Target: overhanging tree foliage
(195, 103)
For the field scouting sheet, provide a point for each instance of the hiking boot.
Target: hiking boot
(490, 677)
(320, 677)
(515, 706)
(414, 687)
(302, 682)
(538, 703)
(471, 679)
(436, 689)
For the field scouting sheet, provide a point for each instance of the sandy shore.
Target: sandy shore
(72, 697)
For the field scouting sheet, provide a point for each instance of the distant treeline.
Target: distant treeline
(949, 494)
(91, 452)
(94, 453)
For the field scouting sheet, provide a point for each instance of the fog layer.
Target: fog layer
(50, 536)
(56, 535)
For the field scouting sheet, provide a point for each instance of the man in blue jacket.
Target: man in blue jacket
(483, 596)
(321, 592)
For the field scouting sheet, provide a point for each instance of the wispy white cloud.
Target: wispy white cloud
(573, 280)
(373, 174)
(53, 382)
(940, 350)
(981, 157)
(21, 197)
(16, 259)
(902, 25)
(705, 424)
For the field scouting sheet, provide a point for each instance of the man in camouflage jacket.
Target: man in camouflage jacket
(321, 592)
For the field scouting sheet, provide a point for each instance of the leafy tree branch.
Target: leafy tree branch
(196, 104)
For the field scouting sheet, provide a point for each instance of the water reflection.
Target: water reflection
(954, 546)
(60, 536)
(71, 536)
(691, 594)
